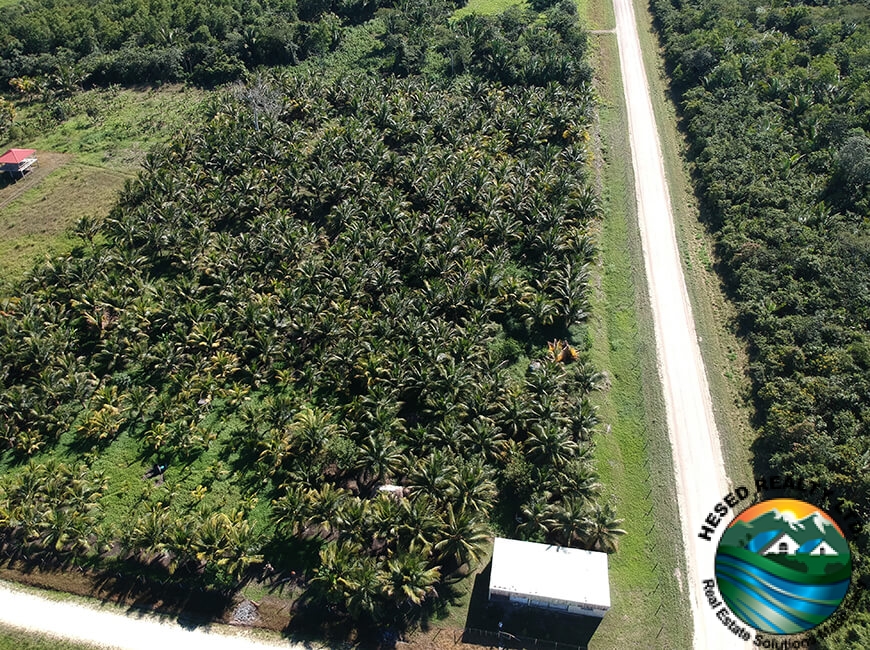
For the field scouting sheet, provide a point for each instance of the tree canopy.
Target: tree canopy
(775, 100)
(334, 298)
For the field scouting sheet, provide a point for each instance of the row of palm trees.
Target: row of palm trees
(50, 511)
(354, 292)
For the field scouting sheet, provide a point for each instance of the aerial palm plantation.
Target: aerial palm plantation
(323, 317)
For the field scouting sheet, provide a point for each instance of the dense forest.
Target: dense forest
(775, 99)
(134, 41)
(347, 314)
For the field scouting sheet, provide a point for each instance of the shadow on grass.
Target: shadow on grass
(522, 626)
(142, 587)
(139, 586)
(312, 619)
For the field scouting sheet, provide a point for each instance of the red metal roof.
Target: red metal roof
(16, 156)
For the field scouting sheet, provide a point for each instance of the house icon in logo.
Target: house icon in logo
(782, 544)
(823, 549)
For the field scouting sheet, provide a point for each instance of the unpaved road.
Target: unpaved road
(700, 471)
(109, 627)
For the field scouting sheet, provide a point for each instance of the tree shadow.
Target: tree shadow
(146, 587)
(313, 621)
(505, 625)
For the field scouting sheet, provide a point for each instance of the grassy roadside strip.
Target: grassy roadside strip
(724, 355)
(13, 639)
(634, 459)
(596, 14)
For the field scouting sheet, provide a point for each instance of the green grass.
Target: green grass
(596, 14)
(486, 7)
(634, 458)
(38, 221)
(12, 639)
(111, 127)
(85, 160)
(17, 255)
(724, 355)
(124, 462)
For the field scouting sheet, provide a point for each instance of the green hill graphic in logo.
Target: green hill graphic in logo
(783, 566)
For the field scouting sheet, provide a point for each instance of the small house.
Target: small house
(824, 549)
(782, 545)
(17, 162)
(568, 580)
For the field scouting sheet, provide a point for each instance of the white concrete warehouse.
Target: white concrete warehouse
(552, 577)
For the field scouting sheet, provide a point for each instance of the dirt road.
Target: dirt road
(109, 627)
(700, 472)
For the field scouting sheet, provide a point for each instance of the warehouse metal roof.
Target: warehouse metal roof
(552, 573)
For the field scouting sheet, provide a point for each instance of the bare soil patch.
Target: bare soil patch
(48, 162)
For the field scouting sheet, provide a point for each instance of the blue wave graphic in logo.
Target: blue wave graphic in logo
(771, 603)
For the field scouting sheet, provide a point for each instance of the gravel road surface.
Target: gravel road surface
(110, 627)
(700, 471)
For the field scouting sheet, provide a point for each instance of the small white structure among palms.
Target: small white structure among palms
(559, 578)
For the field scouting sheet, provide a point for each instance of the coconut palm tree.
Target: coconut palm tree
(408, 579)
(577, 479)
(537, 517)
(569, 521)
(289, 511)
(472, 488)
(327, 580)
(309, 429)
(432, 476)
(550, 445)
(321, 508)
(363, 588)
(483, 439)
(603, 529)
(379, 457)
(463, 538)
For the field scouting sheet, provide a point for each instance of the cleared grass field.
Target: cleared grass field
(486, 7)
(84, 161)
(37, 222)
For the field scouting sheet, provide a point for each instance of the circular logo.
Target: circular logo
(783, 566)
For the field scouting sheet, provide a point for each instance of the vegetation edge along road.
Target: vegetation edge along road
(109, 627)
(700, 472)
(650, 608)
